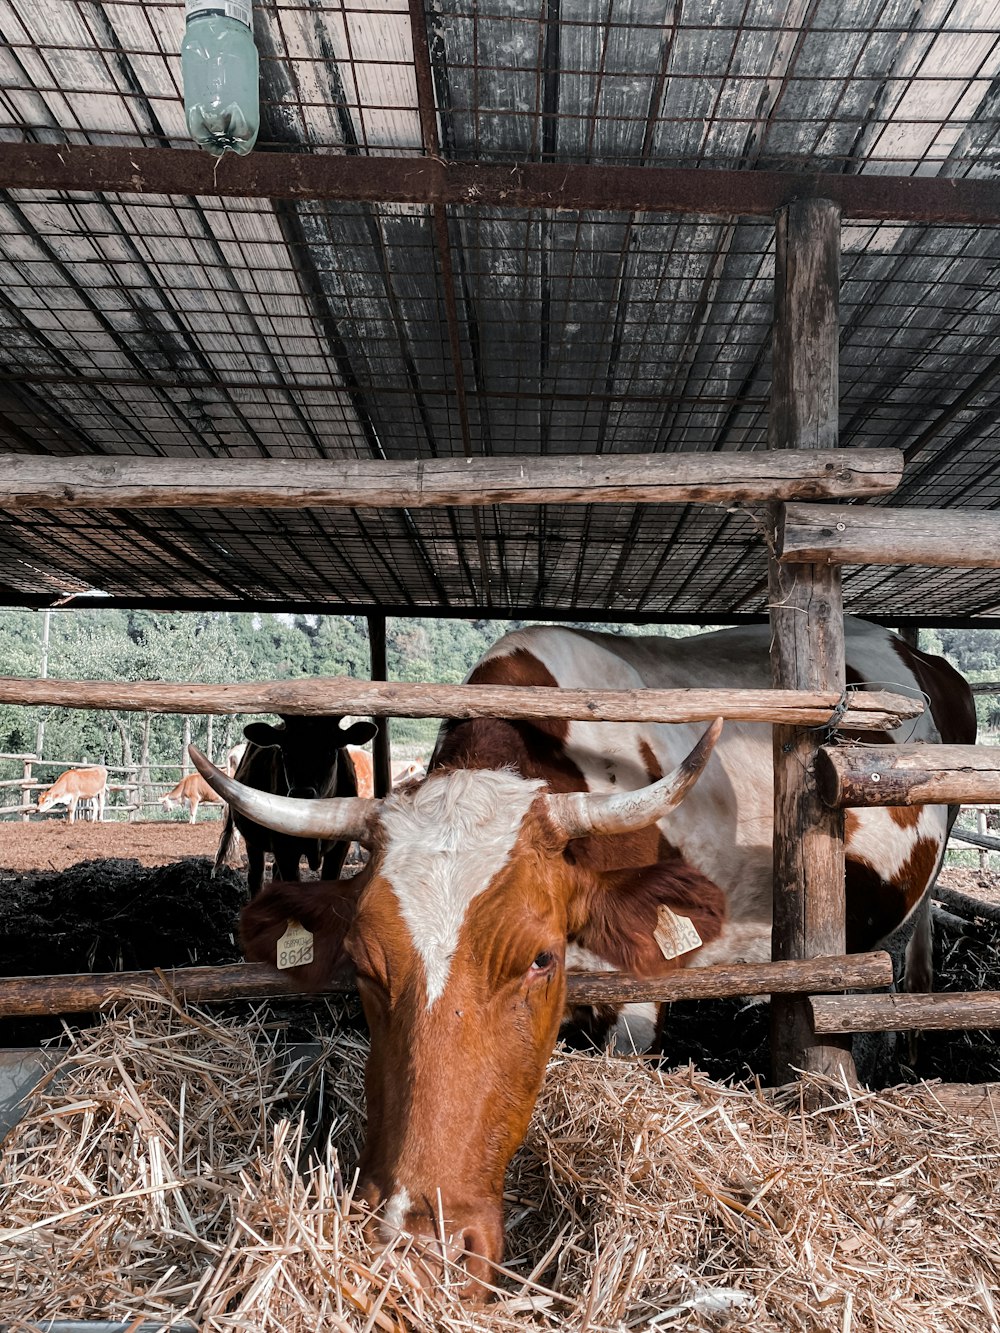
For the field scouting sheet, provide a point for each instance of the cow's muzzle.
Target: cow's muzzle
(449, 1245)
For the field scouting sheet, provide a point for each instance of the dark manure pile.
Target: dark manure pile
(113, 915)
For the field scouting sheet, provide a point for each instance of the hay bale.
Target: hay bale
(164, 1174)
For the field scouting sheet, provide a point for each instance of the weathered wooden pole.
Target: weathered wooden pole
(807, 625)
(81, 992)
(910, 634)
(381, 749)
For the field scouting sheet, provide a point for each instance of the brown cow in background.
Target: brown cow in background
(191, 791)
(74, 786)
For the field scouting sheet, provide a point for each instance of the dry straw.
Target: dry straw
(164, 1172)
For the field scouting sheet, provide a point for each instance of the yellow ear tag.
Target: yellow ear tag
(674, 934)
(295, 947)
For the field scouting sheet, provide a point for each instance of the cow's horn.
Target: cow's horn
(579, 813)
(337, 818)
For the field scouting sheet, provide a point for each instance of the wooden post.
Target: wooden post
(981, 827)
(26, 792)
(910, 634)
(381, 749)
(807, 626)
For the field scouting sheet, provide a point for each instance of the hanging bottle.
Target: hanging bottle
(220, 74)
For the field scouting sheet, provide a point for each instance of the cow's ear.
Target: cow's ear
(263, 733)
(635, 918)
(325, 910)
(358, 733)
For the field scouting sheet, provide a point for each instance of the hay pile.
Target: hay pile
(167, 1173)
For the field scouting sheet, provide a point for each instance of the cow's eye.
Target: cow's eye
(543, 961)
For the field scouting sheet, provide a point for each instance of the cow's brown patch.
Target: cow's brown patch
(905, 816)
(876, 906)
(522, 668)
(488, 742)
(650, 762)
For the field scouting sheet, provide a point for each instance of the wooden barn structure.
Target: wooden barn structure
(601, 311)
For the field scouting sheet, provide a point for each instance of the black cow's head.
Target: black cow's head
(309, 748)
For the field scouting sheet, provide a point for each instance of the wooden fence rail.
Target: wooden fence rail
(900, 1013)
(79, 993)
(316, 696)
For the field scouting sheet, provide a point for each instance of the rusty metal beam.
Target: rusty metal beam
(426, 180)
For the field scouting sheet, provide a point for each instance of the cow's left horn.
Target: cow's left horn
(337, 818)
(578, 813)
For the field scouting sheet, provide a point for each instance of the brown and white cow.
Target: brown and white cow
(403, 770)
(74, 786)
(234, 755)
(364, 770)
(531, 846)
(191, 791)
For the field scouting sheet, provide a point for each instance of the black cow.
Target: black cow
(304, 757)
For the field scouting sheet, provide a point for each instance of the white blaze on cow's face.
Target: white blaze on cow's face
(444, 846)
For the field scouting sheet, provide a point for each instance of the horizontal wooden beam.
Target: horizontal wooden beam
(858, 775)
(431, 180)
(29, 481)
(900, 1013)
(320, 696)
(81, 993)
(979, 1100)
(964, 905)
(974, 839)
(796, 976)
(855, 535)
(985, 686)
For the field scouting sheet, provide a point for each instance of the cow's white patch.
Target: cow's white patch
(881, 842)
(635, 1029)
(579, 959)
(394, 1214)
(445, 843)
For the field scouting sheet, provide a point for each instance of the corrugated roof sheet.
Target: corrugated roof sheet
(187, 327)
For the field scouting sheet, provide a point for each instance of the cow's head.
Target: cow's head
(457, 930)
(308, 748)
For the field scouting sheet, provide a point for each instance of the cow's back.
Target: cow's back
(724, 827)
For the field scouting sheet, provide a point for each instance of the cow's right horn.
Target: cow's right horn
(336, 819)
(576, 814)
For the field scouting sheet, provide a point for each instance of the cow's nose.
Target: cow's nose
(303, 793)
(460, 1247)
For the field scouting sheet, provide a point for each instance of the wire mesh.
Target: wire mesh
(210, 327)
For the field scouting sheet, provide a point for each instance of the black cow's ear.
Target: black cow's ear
(263, 733)
(358, 733)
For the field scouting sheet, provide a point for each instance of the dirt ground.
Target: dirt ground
(55, 844)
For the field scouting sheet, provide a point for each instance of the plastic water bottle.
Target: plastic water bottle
(219, 70)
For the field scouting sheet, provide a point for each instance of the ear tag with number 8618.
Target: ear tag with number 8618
(295, 947)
